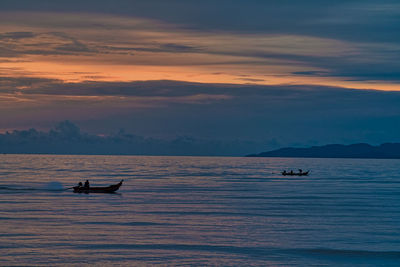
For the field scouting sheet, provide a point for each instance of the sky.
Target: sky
(281, 73)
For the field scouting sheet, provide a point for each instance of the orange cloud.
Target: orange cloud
(80, 47)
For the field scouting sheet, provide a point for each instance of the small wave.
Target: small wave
(127, 223)
(4, 188)
(256, 251)
(183, 247)
(352, 253)
(52, 186)
(11, 188)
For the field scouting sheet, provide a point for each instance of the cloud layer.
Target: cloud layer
(279, 115)
(278, 43)
(273, 72)
(66, 138)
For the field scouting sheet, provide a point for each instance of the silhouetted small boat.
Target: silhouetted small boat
(106, 189)
(295, 173)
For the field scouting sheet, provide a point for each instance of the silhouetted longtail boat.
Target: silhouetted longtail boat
(106, 189)
(295, 173)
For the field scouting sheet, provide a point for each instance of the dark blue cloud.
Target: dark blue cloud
(289, 115)
(67, 138)
(16, 35)
(370, 27)
(366, 74)
(369, 20)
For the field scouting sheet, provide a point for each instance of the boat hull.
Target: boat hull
(107, 189)
(295, 174)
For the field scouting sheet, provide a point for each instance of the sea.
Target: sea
(199, 211)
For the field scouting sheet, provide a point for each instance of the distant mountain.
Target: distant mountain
(384, 151)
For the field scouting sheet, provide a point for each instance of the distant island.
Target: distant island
(365, 151)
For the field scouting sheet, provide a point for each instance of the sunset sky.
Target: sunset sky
(241, 70)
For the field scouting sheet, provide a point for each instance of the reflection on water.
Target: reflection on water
(198, 211)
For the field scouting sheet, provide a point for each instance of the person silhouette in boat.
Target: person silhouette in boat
(80, 185)
(291, 172)
(300, 171)
(86, 184)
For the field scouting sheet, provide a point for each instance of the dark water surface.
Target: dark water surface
(199, 211)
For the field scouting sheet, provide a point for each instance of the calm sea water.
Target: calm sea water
(199, 211)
